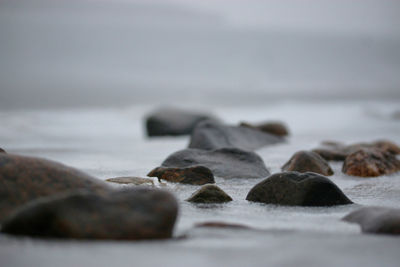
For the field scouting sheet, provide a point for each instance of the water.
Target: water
(109, 142)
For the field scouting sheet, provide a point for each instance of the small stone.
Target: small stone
(271, 127)
(298, 189)
(131, 180)
(306, 161)
(197, 175)
(370, 163)
(377, 220)
(209, 194)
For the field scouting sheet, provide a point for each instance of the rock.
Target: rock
(23, 179)
(376, 220)
(138, 213)
(298, 189)
(2, 150)
(370, 163)
(224, 162)
(306, 161)
(197, 175)
(173, 122)
(271, 127)
(215, 224)
(330, 154)
(131, 180)
(209, 194)
(211, 135)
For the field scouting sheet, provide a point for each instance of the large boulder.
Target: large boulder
(307, 161)
(197, 175)
(23, 179)
(224, 162)
(298, 189)
(211, 135)
(139, 213)
(271, 127)
(370, 163)
(209, 194)
(173, 122)
(376, 220)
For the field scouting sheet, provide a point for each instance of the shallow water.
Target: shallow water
(111, 142)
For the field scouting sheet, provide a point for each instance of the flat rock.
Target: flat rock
(224, 162)
(138, 213)
(197, 175)
(271, 127)
(131, 180)
(376, 220)
(308, 161)
(370, 163)
(173, 122)
(211, 135)
(298, 189)
(218, 224)
(23, 179)
(209, 194)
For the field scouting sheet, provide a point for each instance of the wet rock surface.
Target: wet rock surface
(197, 175)
(298, 189)
(370, 163)
(131, 180)
(377, 220)
(139, 213)
(217, 224)
(209, 194)
(23, 179)
(211, 135)
(272, 127)
(173, 122)
(224, 163)
(307, 161)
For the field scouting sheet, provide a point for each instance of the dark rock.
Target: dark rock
(197, 175)
(139, 213)
(211, 135)
(2, 150)
(23, 179)
(376, 220)
(131, 180)
(370, 163)
(271, 127)
(173, 122)
(215, 224)
(298, 189)
(209, 194)
(225, 162)
(306, 161)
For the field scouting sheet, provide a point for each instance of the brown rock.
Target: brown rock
(210, 194)
(370, 163)
(197, 175)
(23, 179)
(2, 150)
(271, 127)
(216, 224)
(131, 180)
(306, 161)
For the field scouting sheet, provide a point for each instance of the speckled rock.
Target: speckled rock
(376, 220)
(225, 162)
(138, 213)
(210, 135)
(307, 161)
(173, 122)
(271, 127)
(209, 194)
(370, 163)
(131, 180)
(298, 189)
(23, 179)
(197, 175)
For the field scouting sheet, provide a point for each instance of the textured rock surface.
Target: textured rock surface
(197, 175)
(139, 213)
(370, 163)
(272, 127)
(306, 161)
(298, 189)
(209, 194)
(23, 179)
(173, 122)
(211, 135)
(131, 180)
(225, 162)
(376, 220)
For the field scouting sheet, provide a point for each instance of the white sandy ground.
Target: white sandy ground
(111, 142)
